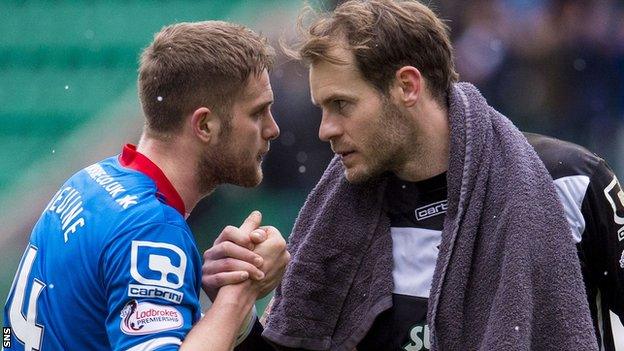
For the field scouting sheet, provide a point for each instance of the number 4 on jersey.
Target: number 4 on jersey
(25, 328)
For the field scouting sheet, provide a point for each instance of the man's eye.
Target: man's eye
(259, 114)
(340, 104)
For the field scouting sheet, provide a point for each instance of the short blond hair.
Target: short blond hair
(190, 65)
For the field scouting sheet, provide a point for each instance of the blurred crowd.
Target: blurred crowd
(552, 66)
(555, 67)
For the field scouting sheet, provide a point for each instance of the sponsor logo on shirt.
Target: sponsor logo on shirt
(622, 260)
(431, 210)
(149, 291)
(139, 318)
(614, 194)
(418, 338)
(155, 263)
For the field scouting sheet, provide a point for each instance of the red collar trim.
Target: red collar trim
(133, 159)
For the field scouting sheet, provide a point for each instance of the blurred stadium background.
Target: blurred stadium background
(68, 93)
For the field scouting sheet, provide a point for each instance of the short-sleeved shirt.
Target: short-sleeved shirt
(110, 264)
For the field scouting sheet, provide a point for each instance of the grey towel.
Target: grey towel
(340, 275)
(507, 277)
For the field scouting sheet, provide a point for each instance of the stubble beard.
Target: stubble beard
(224, 165)
(385, 145)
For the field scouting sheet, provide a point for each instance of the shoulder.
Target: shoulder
(128, 199)
(563, 158)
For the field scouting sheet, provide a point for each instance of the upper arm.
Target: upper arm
(603, 244)
(151, 280)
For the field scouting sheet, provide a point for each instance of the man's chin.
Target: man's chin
(250, 179)
(356, 176)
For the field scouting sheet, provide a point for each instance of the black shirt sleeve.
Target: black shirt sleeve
(603, 239)
(255, 342)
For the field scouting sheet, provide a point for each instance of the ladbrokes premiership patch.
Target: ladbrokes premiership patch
(139, 318)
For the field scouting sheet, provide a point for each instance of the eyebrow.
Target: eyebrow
(262, 106)
(334, 96)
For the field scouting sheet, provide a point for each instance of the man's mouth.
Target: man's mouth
(344, 155)
(343, 152)
(262, 154)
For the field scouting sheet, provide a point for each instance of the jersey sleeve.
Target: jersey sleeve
(152, 280)
(603, 240)
(254, 341)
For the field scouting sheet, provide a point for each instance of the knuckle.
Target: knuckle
(218, 280)
(271, 229)
(210, 268)
(227, 248)
(228, 230)
(214, 253)
(229, 263)
(281, 244)
(209, 281)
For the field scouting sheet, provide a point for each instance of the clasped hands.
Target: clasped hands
(251, 254)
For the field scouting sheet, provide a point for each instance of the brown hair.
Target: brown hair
(189, 65)
(384, 35)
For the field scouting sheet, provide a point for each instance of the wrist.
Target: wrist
(240, 294)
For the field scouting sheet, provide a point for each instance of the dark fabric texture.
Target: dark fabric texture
(340, 275)
(507, 276)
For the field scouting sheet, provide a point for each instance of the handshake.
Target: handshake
(252, 256)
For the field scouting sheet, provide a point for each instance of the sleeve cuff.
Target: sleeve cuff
(245, 330)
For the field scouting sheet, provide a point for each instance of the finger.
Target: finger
(288, 256)
(271, 230)
(258, 236)
(231, 265)
(231, 250)
(275, 237)
(218, 280)
(268, 228)
(251, 222)
(233, 234)
(229, 233)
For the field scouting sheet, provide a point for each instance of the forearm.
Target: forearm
(217, 330)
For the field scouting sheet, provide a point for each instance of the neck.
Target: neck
(428, 154)
(180, 169)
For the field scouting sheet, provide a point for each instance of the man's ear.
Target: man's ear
(408, 86)
(205, 124)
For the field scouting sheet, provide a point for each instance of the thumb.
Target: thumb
(252, 222)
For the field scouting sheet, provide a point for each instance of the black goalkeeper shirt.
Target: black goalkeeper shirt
(416, 212)
(594, 208)
(593, 203)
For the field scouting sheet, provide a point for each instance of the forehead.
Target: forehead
(328, 79)
(258, 88)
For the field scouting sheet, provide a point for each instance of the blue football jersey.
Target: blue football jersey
(110, 264)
